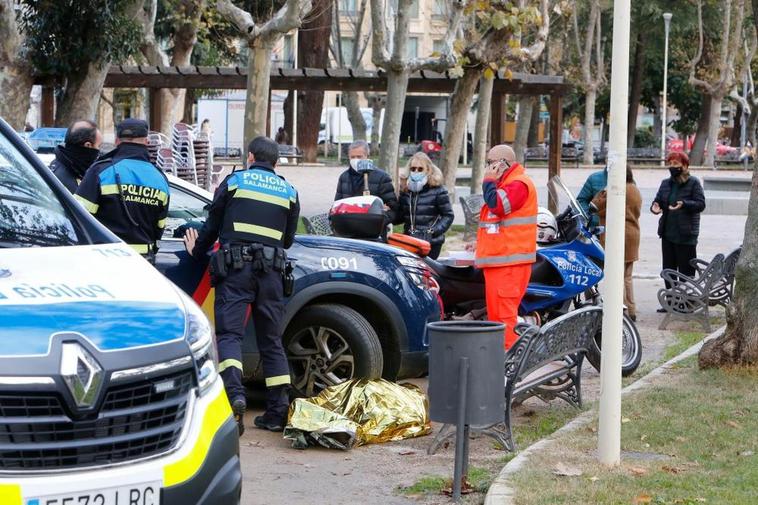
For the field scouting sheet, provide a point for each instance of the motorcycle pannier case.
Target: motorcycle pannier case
(358, 217)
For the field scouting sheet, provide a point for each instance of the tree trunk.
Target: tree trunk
(532, 139)
(713, 131)
(397, 87)
(313, 52)
(589, 124)
(172, 99)
(703, 125)
(377, 103)
(256, 104)
(16, 83)
(525, 108)
(739, 344)
(460, 105)
(82, 94)
(16, 78)
(357, 123)
(736, 138)
(288, 110)
(636, 91)
(481, 133)
(189, 102)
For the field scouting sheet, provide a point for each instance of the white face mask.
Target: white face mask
(354, 163)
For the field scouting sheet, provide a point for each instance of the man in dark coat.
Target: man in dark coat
(352, 183)
(79, 152)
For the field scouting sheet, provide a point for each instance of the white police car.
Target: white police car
(109, 393)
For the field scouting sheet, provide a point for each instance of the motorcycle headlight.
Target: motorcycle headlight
(199, 336)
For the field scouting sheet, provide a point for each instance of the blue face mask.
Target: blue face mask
(417, 181)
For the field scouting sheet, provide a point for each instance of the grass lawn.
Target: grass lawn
(692, 438)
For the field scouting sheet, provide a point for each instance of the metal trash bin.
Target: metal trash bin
(482, 343)
(466, 382)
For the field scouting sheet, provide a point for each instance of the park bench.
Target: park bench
(318, 224)
(472, 206)
(723, 288)
(290, 153)
(540, 153)
(545, 362)
(688, 298)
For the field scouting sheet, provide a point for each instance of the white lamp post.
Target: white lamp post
(609, 429)
(667, 22)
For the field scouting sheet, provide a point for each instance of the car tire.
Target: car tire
(327, 344)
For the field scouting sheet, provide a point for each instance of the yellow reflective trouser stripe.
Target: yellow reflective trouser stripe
(258, 230)
(10, 494)
(91, 207)
(217, 412)
(140, 248)
(262, 197)
(229, 363)
(162, 223)
(277, 381)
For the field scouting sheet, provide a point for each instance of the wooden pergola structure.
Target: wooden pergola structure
(338, 79)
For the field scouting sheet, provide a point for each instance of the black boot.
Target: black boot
(238, 409)
(277, 405)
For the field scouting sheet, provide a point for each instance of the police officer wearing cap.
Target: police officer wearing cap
(254, 215)
(126, 192)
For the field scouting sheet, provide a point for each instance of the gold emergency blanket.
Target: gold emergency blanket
(358, 412)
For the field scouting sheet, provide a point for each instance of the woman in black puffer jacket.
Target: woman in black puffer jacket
(425, 207)
(679, 201)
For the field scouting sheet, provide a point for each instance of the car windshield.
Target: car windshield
(30, 213)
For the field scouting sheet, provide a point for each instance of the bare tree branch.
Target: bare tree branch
(699, 55)
(289, 17)
(150, 48)
(380, 56)
(446, 59)
(240, 17)
(531, 53)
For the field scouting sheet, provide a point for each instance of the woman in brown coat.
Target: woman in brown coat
(631, 234)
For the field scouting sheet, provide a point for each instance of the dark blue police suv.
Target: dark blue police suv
(359, 308)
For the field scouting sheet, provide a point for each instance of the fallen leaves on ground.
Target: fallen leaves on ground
(466, 487)
(564, 470)
(641, 499)
(406, 452)
(733, 424)
(625, 420)
(672, 469)
(637, 470)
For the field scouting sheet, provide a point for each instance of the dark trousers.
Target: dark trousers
(677, 257)
(434, 253)
(263, 291)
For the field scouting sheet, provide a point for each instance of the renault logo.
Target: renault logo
(81, 373)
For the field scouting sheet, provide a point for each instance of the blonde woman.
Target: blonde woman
(425, 208)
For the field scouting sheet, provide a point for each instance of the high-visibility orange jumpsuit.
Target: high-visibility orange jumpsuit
(506, 244)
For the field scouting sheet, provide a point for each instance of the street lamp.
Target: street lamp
(667, 22)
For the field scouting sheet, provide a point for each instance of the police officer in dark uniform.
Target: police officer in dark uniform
(254, 214)
(127, 193)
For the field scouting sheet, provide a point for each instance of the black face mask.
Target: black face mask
(675, 171)
(80, 157)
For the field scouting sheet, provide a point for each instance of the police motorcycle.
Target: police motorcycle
(565, 277)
